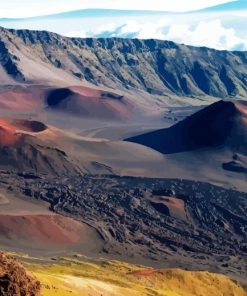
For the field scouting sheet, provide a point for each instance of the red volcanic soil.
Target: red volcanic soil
(10, 130)
(75, 100)
(242, 109)
(8, 135)
(175, 206)
(143, 272)
(42, 228)
(83, 101)
(22, 151)
(22, 99)
(86, 91)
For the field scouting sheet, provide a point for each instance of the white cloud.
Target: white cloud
(25, 8)
(206, 33)
(210, 33)
(79, 34)
(143, 30)
(216, 30)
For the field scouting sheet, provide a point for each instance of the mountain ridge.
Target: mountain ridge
(152, 67)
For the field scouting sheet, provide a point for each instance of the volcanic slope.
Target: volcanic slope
(211, 142)
(222, 124)
(150, 68)
(89, 103)
(21, 150)
(33, 146)
(79, 276)
(28, 226)
(75, 102)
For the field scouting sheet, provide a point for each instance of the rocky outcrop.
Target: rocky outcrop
(15, 280)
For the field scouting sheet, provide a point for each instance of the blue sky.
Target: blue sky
(222, 28)
(27, 8)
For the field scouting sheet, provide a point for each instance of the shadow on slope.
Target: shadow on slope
(87, 102)
(220, 124)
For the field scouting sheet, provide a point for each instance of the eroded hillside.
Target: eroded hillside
(156, 68)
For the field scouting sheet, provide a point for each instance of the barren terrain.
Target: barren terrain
(123, 149)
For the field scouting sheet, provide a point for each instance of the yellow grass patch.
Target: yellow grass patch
(113, 278)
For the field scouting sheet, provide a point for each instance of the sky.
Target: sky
(224, 30)
(28, 8)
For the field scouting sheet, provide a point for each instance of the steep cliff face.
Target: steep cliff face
(151, 66)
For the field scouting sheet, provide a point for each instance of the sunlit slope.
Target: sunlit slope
(152, 69)
(76, 277)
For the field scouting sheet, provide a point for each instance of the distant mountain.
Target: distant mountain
(151, 67)
(135, 24)
(234, 5)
